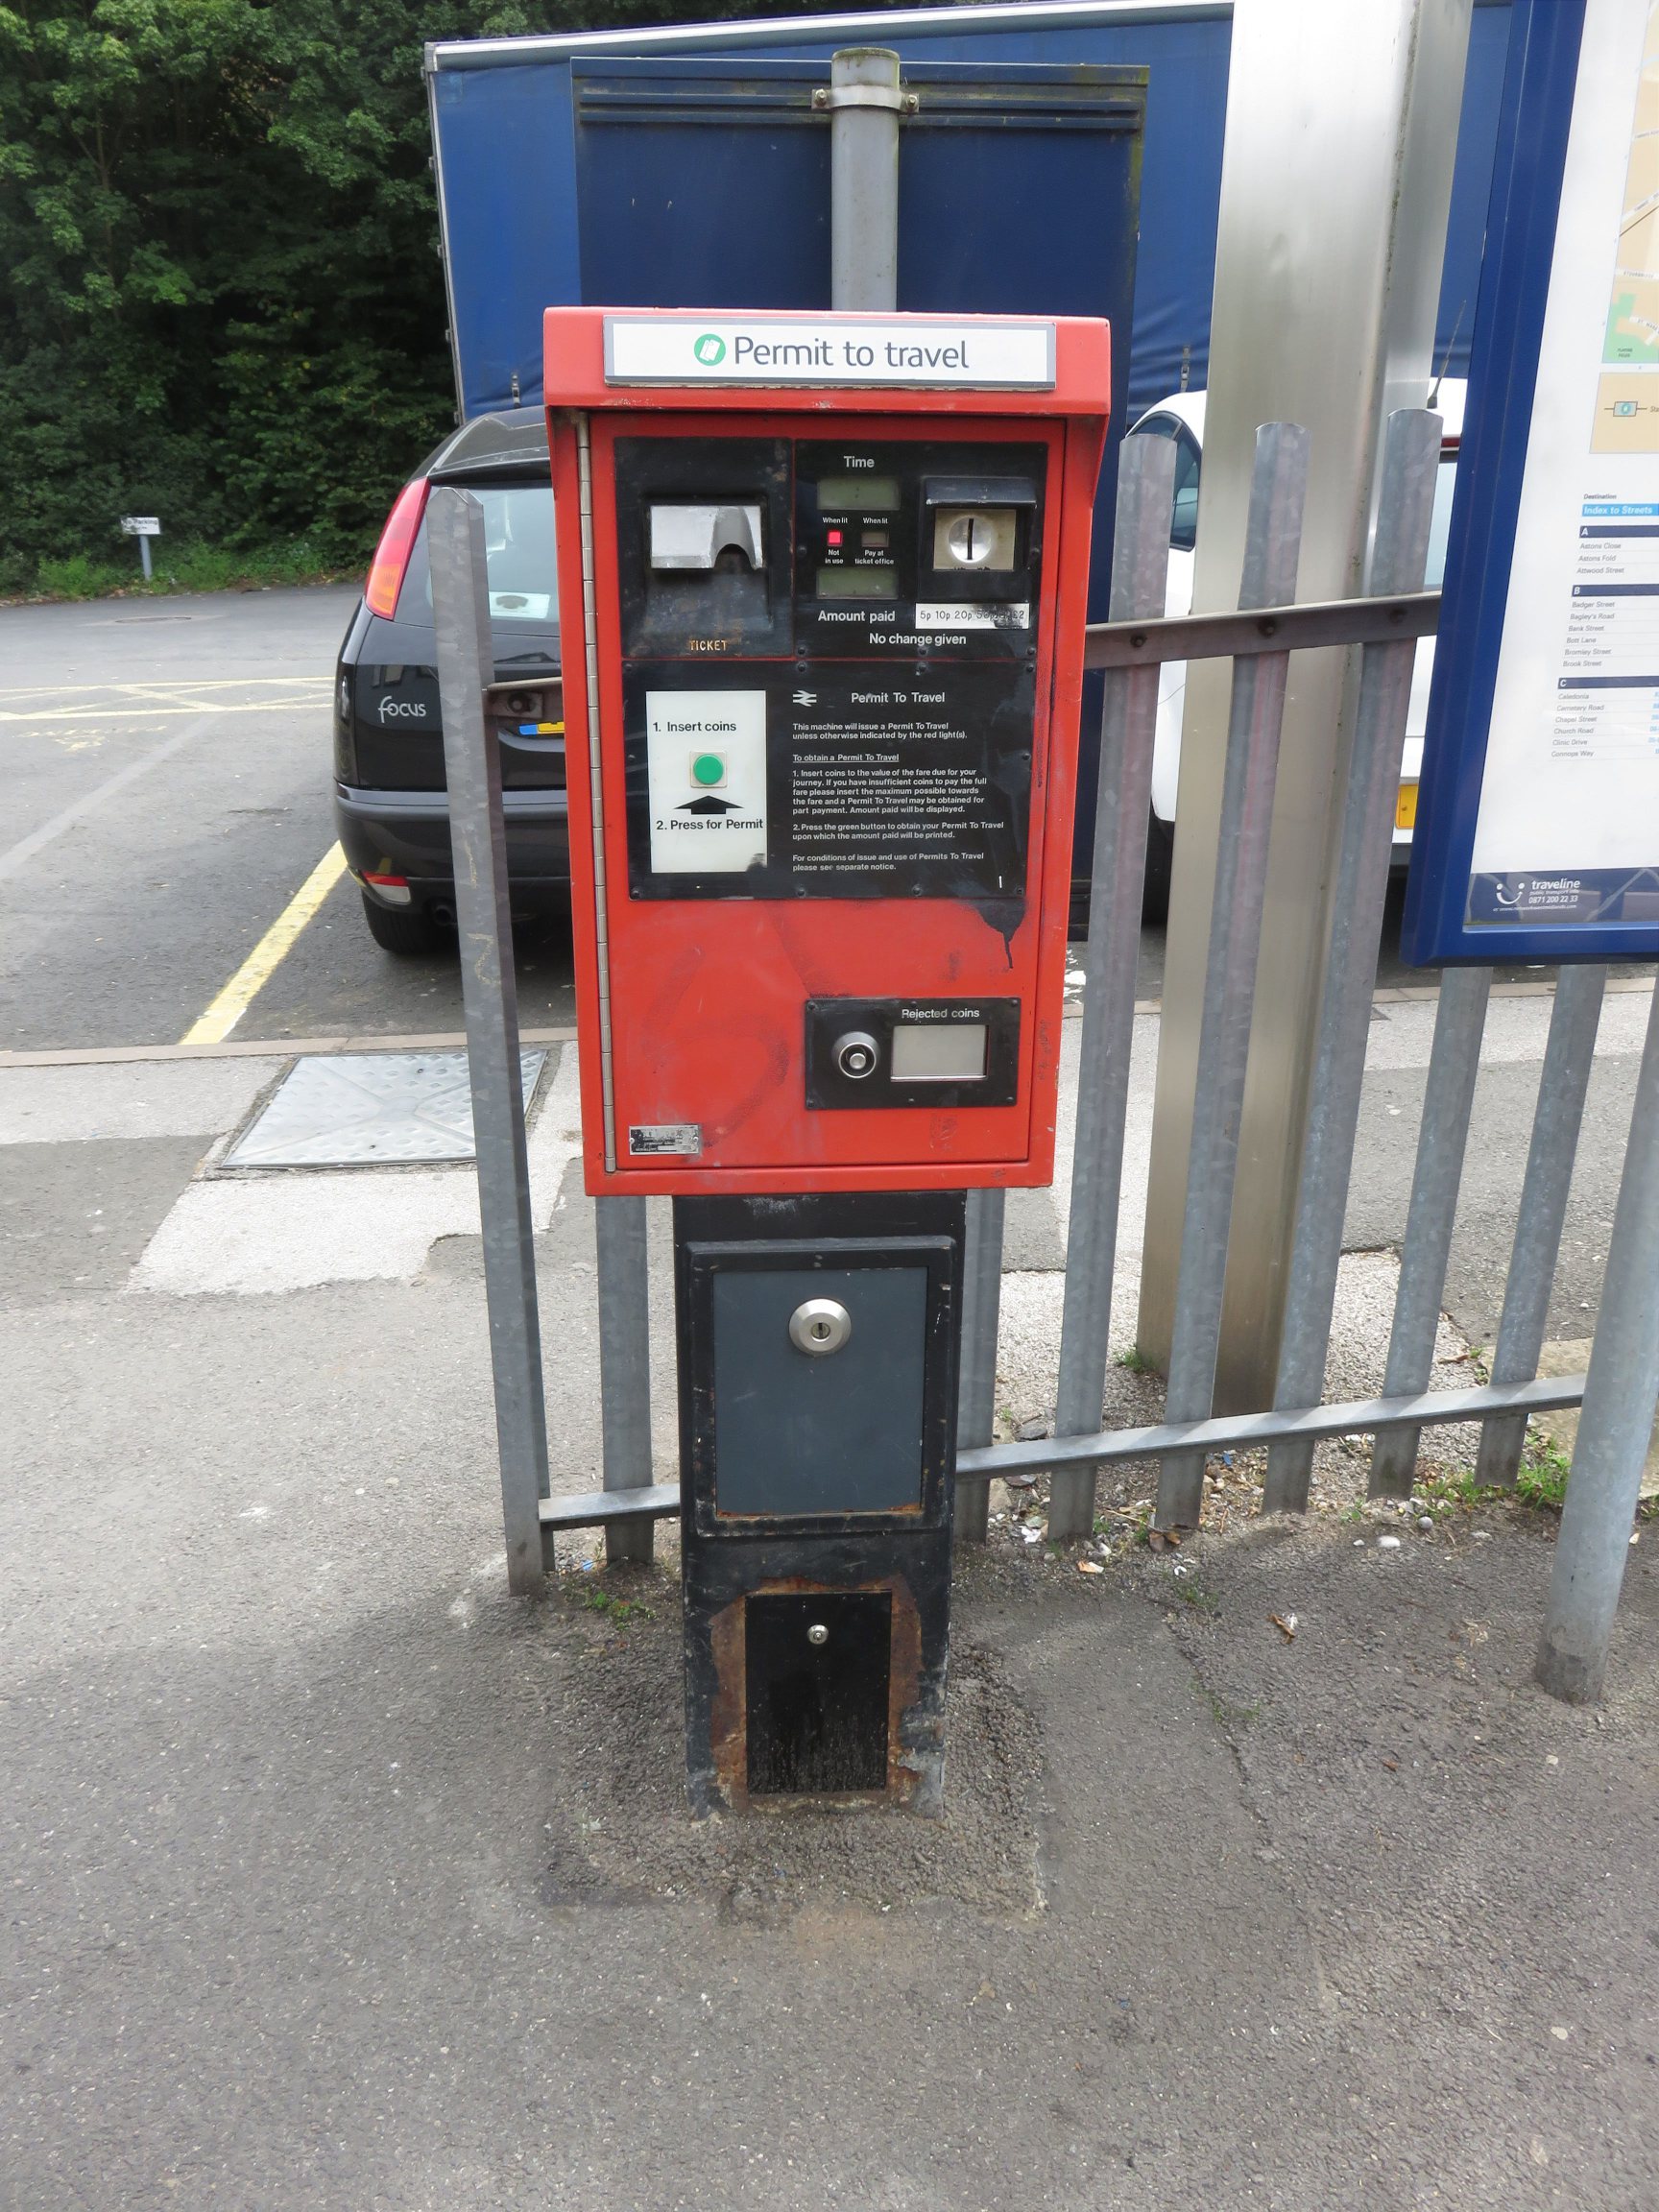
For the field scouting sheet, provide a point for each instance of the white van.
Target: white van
(1181, 416)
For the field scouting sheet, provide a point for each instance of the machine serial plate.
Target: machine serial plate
(682, 1140)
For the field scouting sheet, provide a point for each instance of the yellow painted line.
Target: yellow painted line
(184, 684)
(267, 955)
(117, 713)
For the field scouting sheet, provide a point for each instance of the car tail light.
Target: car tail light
(394, 889)
(391, 554)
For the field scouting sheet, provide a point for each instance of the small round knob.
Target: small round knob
(820, 1325)
(857, 1053)
(817, 1633)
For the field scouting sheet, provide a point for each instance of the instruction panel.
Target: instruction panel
(849, 783)
(828, 667)
(895, 785)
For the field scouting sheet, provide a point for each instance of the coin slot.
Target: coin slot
(976, 538)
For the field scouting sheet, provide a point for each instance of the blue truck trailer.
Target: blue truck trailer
(688, 167)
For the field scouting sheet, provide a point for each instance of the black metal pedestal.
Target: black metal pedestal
(818, 1344)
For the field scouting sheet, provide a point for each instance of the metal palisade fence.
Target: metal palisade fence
(1619, 1392)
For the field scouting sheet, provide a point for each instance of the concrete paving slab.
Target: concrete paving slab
(1498, 1134)
(295, 1228)
(1402, 1035)
(1031, 1236)
(1028, 1350)
(135, 1099)
(74, 1217)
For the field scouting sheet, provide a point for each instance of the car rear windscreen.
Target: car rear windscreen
(523, 563)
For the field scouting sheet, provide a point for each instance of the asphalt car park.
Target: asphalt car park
(168, 774)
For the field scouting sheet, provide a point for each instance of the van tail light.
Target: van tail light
(391, 554)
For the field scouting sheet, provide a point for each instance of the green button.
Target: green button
(709, 768)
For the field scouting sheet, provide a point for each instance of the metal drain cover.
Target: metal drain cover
(369, 1109)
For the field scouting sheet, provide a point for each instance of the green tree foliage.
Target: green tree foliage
(222, 301)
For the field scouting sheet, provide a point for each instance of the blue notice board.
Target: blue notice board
(1537, 833)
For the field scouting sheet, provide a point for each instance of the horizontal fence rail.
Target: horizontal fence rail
(1261, 630)
(1243, 1431)
(1235, 1432)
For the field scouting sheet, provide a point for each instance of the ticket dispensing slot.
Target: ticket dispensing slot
(686, 533)
(700, 527)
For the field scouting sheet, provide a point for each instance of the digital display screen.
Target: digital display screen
(938, 1051)
(878, 581)
(857, 495)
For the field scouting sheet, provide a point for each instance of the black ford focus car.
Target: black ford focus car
(389, 797)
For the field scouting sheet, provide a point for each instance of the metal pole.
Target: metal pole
(1272, 541)
(1128, 727)
(1619, 1396)
(976, 1394)
(1341, 132)
(472, 768)
(1568, 1058)
(144, 557)
(864, 102)
(625, 1367)
(1453, 1063)
(1411, 461)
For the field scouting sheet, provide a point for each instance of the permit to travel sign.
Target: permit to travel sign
(912, 352)
(1537, 834)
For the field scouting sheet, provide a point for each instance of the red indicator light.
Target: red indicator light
(831, 537)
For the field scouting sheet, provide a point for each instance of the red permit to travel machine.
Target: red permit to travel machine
(821, 605)
(821, 601)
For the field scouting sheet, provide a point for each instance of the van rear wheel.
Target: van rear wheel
(409, 931)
